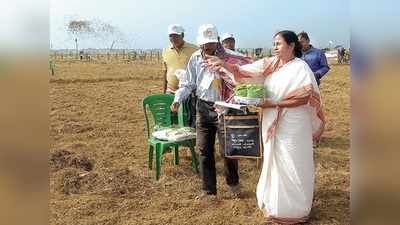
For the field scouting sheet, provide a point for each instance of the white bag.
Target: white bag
(175, 134)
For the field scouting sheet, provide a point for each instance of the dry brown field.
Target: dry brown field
(98, 155)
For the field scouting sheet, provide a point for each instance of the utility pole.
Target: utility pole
(76, 47)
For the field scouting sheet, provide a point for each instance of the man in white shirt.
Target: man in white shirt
(207, 85)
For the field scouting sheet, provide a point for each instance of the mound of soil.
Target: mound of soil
(73, 181)
(63, 159)
(115, 183)
(124, 183)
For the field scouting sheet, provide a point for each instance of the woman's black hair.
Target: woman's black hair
(291, 37)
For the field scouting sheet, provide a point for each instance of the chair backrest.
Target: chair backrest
(159, 106)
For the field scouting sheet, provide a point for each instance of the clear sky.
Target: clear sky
(253, 22)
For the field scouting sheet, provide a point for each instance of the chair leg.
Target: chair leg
(158, 162)
(176, 155)
(195, 162)
(151, 150)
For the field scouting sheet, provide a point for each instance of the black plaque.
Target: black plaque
(242, 136)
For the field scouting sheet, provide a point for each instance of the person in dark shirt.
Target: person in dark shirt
(315, 58)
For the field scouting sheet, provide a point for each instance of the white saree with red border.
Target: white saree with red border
(286, 185)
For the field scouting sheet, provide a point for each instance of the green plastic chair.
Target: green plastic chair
(159, 106)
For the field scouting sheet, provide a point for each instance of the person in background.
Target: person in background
(340, 55)
(315, 58)
(176, 57)
(228, 41)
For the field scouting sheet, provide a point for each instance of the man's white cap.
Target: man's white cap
(207, 33)
(226, 36)
(175, 29)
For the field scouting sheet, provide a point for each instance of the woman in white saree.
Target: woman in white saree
(292, 118)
